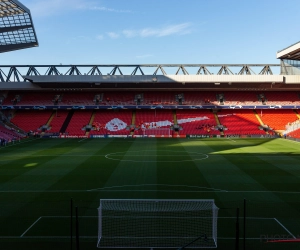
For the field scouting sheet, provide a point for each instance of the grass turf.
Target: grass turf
(39, 177)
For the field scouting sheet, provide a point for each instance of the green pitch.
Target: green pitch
(38, 178)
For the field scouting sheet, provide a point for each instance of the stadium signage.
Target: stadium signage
(117, 136)
(98, 136)
(155, 107)
(73, 136)
(198, 136)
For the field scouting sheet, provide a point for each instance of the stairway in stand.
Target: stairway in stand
(91, 122)
(66, 122)
(258, 118)
(218, 122)
(133, 121)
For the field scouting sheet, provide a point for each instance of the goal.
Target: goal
(157, 131)
(152, 223)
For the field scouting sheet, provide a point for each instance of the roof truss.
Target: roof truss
(16, 27)
(15, 73)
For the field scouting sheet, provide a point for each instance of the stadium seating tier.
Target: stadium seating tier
(31, 120)
(277, 119)
(196, 122)
(240, 122)
(112, 122)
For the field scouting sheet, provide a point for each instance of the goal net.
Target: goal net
(157, 224)
(157, 131)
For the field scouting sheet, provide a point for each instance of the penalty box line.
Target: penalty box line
(37, 220)
(285, 228)
(219, 217)
(30, 227)
(94, 237)
(18, 143)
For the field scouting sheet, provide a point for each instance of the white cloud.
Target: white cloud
(130, 33)
(42, 8)
(113, 35)
(47, 8)
(100, 37)
(108, 9)
(178, 29)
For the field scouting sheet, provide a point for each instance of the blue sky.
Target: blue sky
(159, 31)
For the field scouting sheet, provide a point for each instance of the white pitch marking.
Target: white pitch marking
(82, 140)
(230, 139)
(108, 156)
(35, 156)
(30, 227)
(91, 237)
(270, 191)
(46, 237)
(98, 155)
(166, 185)
(232, 217)
(64, 216)
(291, 141)
(141, 190)
(18, 143)
(284, 228)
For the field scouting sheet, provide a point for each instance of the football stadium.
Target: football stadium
(195, 156)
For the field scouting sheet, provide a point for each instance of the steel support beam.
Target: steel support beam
(10, 73)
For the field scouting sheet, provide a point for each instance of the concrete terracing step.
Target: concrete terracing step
(51, 118)
(218, 122)
(259, 119)
(175, 120)
(133, 120)
(174, 117)
(297, 114)
(91, 122)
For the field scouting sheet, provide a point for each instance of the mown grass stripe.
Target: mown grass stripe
(129, 172)
(76, 167)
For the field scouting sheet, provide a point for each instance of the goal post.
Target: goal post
(156, 131)
(150, 223)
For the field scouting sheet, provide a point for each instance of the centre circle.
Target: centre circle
(156, 156)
